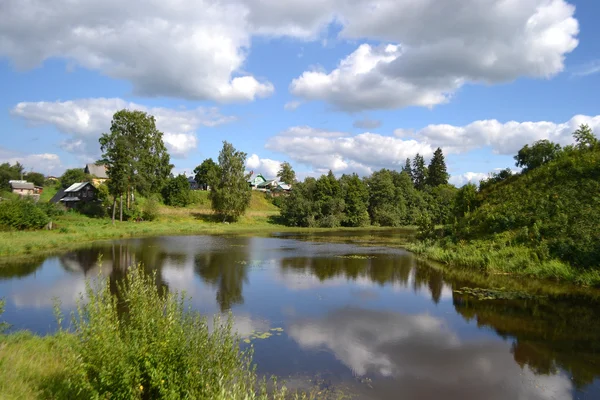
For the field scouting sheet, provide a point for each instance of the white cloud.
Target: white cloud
(362, 153)
(367, 123)
(467, 177)
(591, 68)
(502, 138)
(437, 47)
(46, 163)
(192, 49)
(267, 167)
(292, 105)
(402, 347)
(85, 120)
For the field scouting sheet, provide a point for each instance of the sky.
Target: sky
(341, 85)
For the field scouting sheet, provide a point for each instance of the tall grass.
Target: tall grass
(137, 343)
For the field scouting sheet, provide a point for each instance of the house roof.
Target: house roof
(59, 195)
(284, 186)
(99, 171)
(22, 185)
(257, 179)
(267, 183)
(70, 199)
(76, 187)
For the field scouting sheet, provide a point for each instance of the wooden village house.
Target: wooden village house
(76, 194)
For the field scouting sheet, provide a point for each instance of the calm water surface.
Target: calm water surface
(370, 322)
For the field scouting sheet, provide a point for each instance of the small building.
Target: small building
(257, 180)
(98, 173)
(193, 184)
(22, 188)
(77, 193)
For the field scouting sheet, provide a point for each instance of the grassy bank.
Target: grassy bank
(135, 343)
(501, 258)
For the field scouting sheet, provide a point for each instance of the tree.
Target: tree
(356, 199)
(584, 137)
(539, 153)
(383, 207)
(206, 173)
(465, 200)
(286, 173)
(9, 172)
(36, 178)
(149, 161)
(408, 169)
(436, 172)
(419, 172)
(72, 176)
(117, 154)
(177, 191)
(230, 194)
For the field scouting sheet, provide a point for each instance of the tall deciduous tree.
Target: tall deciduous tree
(230, 194)
(72, 176)
(117, 151)
(419, 172)
(356, 199)
(9, 172)
(585, 137)
(149, 161)
(539, 153)
(436, 172)
(177, 191)
(286, 173)
(206, 173)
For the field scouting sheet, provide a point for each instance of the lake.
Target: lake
(366, 321)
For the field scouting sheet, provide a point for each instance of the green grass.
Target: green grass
(49, 192)
(498, 257)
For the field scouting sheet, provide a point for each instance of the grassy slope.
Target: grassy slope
(543, 223)
(74, 229)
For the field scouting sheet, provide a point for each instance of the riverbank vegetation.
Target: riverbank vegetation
(132, 342)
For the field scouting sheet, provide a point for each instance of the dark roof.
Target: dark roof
(99, 171)
(22, 185)
(59, 195)
(76, 187)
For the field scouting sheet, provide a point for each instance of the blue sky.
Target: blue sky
(351, 86)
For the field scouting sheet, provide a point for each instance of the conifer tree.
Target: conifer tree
(419, 172)
(436, 172)
(408, 169)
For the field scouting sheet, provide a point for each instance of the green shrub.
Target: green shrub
(52, 210)
(142, 344)
(150, 209)
(199, 198)
(93, 209)
(177, 192)
(3, 325)
(22, 214)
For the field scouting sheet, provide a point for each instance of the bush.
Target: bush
(93, 209)
(150, 209)
(22, 214)
(177, 192)
(52, 209)
(141, 344)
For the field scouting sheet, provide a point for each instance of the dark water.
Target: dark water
(369, 322)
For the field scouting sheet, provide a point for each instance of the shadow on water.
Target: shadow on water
(356, 313)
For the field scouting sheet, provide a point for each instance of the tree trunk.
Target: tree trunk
(114, 208)
(128, 197)
(121, 208)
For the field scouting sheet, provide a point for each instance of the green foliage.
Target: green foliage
(135, 153)
(142, 344)
(177, 191)
(539, 153)
(230, 194)
(52, 210)
(436, 172)
(408, 170)
(419, 171)
(466, 200)
(425, 227)
(356, 199)
(72, 176)
(585, 138)
(286, 173)
(3, 325)
(150, 209)
(9, 172)
(35, 177)
(22, 214)
(206, 173)
(496, 177)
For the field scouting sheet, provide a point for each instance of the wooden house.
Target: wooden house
(22, 188)
(97, 172)
(78, 193)
(255, 181)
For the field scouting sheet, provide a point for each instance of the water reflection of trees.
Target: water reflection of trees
(227, 270)
(548, 333)
(20, 270)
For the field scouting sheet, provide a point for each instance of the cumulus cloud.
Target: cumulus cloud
(47, 163)
(192, 49)
(84, 120)
(467, 177)
(267, 167)
(423, 357)
(502, 138)
(366, 152)
(437, 47)
(367, 123)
